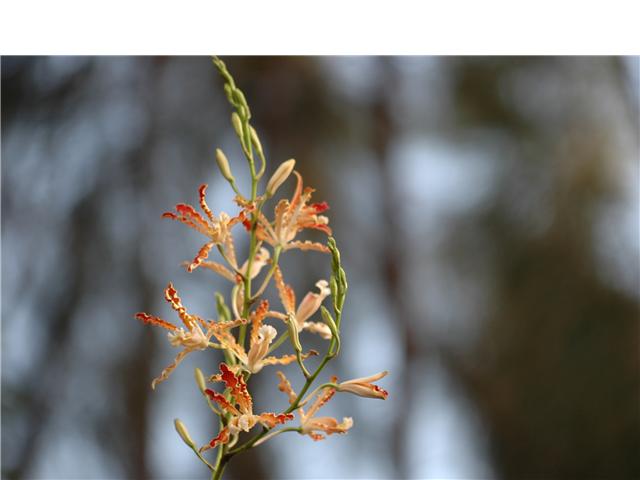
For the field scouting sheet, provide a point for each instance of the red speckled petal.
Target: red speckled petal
(151, 320)
(221, 439)
(238, 389)
(202, 255)
(271, 419)
(202, 192)
(223, 402)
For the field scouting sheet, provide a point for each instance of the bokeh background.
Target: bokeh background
(488, 214)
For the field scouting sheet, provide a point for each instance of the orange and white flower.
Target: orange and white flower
(260, 340)
(293, 216)
(240, 407)
(307, 308)
(311, 425)
(364, 387)
(218, 229)
(193, 338)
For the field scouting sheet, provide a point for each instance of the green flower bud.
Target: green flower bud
(184, 433)
(228, 92)
(256, 141)
(200, 380)
(333, 285)
(237, 125)
(343, 279)
(238, 96)
(294, 335)
(328, 319)
(223, 165)
(335, 253)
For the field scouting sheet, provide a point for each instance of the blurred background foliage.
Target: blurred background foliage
(488, 215)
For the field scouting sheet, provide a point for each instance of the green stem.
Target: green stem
(263, 166)
(220, 457)
(235, 188)
(252, 252)
(217, 473)
(249, 443)
(247, 283)
(202, 459)
(305, 372)
(307, 384)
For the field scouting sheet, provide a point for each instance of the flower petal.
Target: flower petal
(238, 388)
(202, 193)
(369, 379)
(221, 439)
(285, 387)
(307, 245)
(167, 371)
(322, 398)
(287, 295)
(327, 425)
(259, 261)
(287, 359)
(229, 342)
(219, 269)
(311, 302)
(202, 255)
(270, 420)
(320, 328)
(151, 320)
(222, 402)
(171, 295)
(256, 320)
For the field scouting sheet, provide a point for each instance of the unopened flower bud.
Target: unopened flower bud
(333, 285)
(237, 125)
(335, 253)
(238, 96)
(184, 433)
(228, 92)
(328, 319)
(223, 165)
(200, 380)
(280, 175)
(343, 279)
(255, 140)
(293, 332)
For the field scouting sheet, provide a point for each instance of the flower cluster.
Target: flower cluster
(250, 315)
